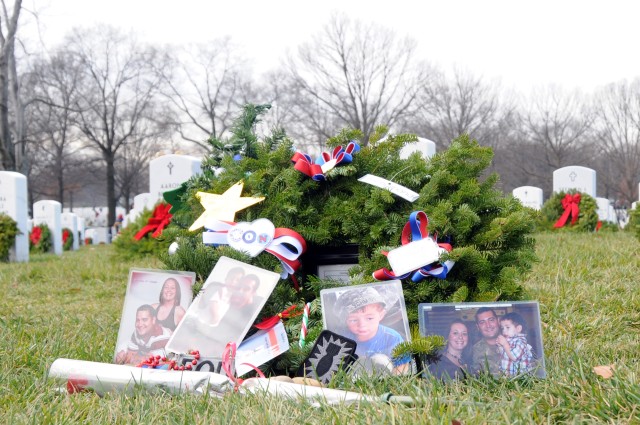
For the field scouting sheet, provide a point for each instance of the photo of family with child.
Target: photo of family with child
(503, 339)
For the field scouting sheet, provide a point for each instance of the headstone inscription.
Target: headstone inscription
(529, 196)
(575, 177)
(168, 172)
(13, 202)
(48, 212)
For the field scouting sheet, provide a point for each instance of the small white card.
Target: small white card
(261, 347)
(413, 255)
(392, 187)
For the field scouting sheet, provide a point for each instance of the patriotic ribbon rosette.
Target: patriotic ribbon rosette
(257, 236)
(424, 253)
(325, 162)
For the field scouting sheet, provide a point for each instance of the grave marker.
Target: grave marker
(169, 171)
(529, 196)
(70, 221)
(13, 202)
(48, 212)
(425, 146)
(574, 177)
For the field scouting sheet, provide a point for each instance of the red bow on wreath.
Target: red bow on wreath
(65, 236)
(158, 221)
(36, 235)
(570, 203)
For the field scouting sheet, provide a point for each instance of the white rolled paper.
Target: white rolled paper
(106, 377)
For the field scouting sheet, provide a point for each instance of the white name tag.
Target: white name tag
(392, 187)
(413, 255)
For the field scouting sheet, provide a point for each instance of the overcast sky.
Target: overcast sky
(526, 44)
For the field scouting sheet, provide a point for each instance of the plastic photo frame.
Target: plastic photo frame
(143, 303)
(483, 352)
(373, 315)
(224, 310)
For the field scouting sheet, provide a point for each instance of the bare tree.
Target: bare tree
(11, 143)
(617, 130)
(206, 86)
(461, 104)
(118, 99)
(56, 83)
(358, 76)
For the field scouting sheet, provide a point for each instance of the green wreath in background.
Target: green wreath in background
(40, 239)
(8, 232)
(552, 210)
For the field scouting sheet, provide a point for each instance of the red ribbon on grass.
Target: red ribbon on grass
(570, 203)
(158, 221)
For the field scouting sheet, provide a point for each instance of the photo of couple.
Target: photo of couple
(155, 303)
(503, 339)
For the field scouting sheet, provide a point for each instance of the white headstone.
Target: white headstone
(13, 202)
(634, 205)
(168, 172)
(30, 224)
(70, 221)
(100, 235)
(425, 146)
(81, 229)
(574, 177)
(612, 215)
(142, 201)
(603, 209)
(48, 212)
(529, 196)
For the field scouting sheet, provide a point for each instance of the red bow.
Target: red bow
(158, 221)
(35, 235)
(65, 236)
(273, 320)
(570, 203)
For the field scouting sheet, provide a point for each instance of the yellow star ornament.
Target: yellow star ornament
(223, 207)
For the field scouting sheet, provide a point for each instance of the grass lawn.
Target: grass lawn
(587, 286)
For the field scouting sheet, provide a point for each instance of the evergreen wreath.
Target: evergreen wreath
(8, 232)
(67, 239)
(634, 221)
(40, 239)
(552, 210)
(125, 243)
(490, 233)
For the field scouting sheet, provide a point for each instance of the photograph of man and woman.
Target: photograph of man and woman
(224, 310)
(374, 316)
(503, 339)
(155, 303)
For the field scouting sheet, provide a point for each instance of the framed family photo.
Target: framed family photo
(501, 338)
(224, 310)
(374, 316)
(154, 304)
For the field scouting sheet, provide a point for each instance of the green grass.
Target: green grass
(70, 306)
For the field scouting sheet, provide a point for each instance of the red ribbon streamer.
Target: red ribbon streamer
(273, 320)
(158, 221)
(228, 361)
(570, 203)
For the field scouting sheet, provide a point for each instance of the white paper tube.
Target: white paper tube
(291, 391)
(105, 377)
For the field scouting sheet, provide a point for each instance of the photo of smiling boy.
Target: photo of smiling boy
(516, 353)
(359, 314)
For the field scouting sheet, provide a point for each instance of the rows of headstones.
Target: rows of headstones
(581, 179)
(169, 171)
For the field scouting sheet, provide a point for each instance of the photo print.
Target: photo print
(224, 310)
(155, 303)
(374, 316)
(503, 338)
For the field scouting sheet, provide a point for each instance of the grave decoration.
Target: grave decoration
(67, 239)
(8, 232)
(634, 221)
(126, 243)
(569, 211)
(40, 239)
(489, 232)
